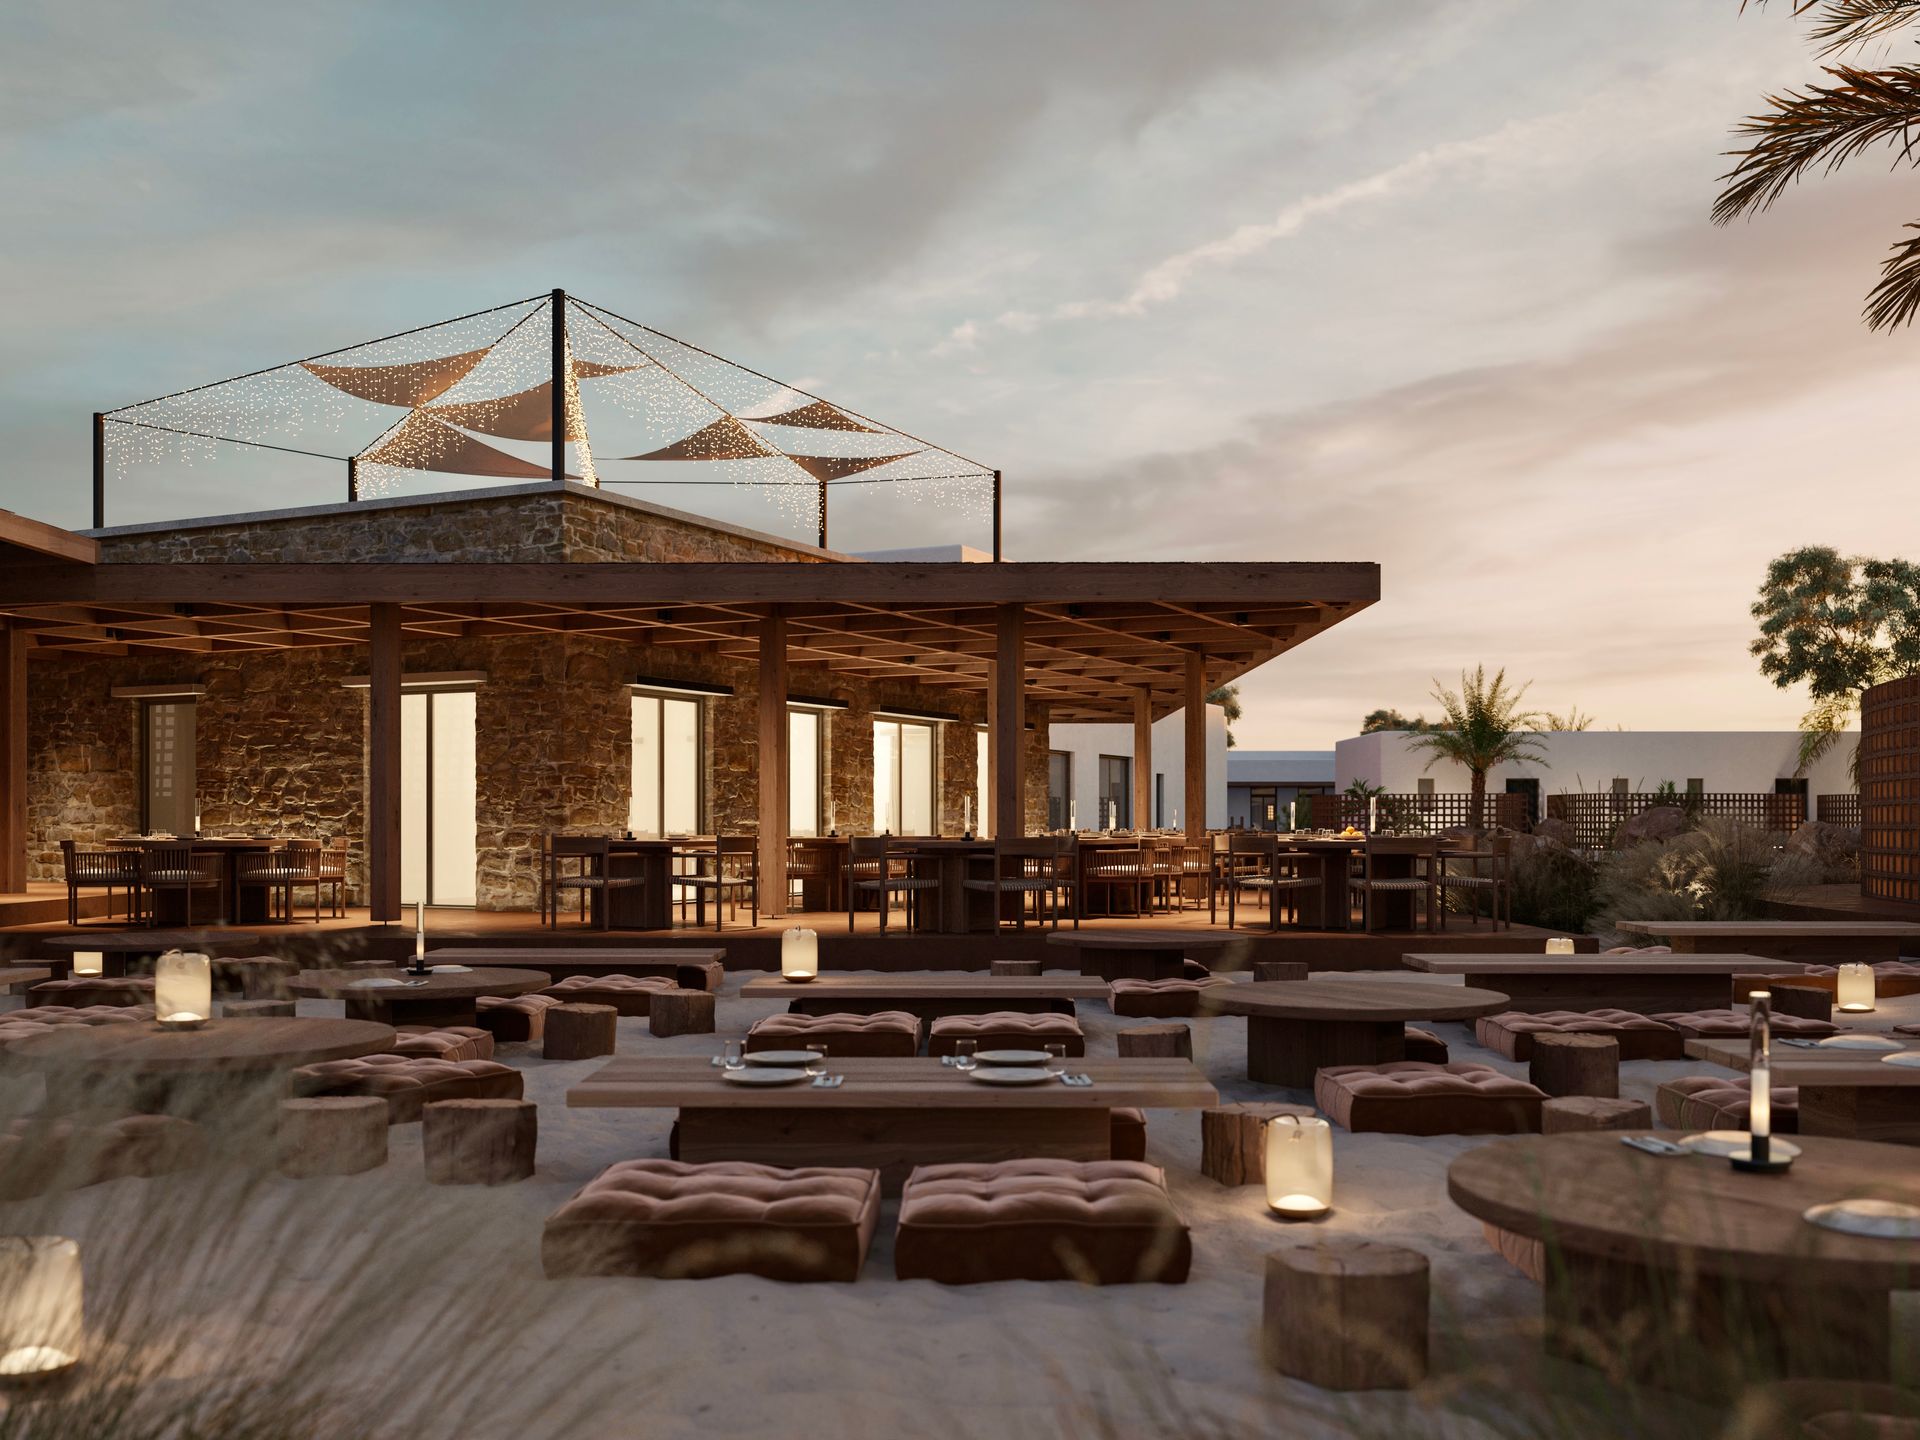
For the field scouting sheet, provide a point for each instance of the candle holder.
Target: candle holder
(419, 966)
(41, 1330)
(1853, 989)
(799, 955)
(1299, 1167)
(1760, 1158)
(1560, 945)
(89, 962)
(182, 990)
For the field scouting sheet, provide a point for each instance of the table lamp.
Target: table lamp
(183, 990)
(1299, 1164)
(1853, 988)
(1560, 945)
(89, 962)
(41, 1334)
(799, 955)
(1760, 1156)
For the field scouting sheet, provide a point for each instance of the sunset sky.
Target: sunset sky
(1430, 284)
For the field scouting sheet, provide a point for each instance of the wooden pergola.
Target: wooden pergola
(1090, 640)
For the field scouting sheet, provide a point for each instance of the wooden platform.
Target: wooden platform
(1823, 941)
(1644, 984)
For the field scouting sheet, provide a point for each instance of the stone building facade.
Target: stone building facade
(280, 741)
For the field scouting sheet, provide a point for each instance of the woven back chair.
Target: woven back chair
(107, 870)
(726, 872)
(1026, 868)
(1475, 870)
(578, 864)
(1412, 871)
(1117, 872)
(880, 866)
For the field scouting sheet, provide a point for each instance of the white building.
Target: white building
(1090, 774)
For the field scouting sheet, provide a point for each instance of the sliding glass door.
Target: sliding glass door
(439, 852)
(902, 777)
(666, 766)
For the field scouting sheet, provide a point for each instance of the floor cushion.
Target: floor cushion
(443, 1042)
(1006, 1030)
(1640, 1037)
(1733, 1024)
(39, 1020)
(510, 1019)
(631, 995)
(683, 1222)
(1160, 999)
(1107, 1222)
(409, 1084)
(1638, 950)
(1409, 1097)
(1127, 1134)
(93, 990)
(1426, 1046)
(885, 1034)
(1717, 1102)
(72, 1150)
(1526, 1255)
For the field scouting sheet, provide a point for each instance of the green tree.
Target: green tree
(1482, 725)
(1823, 126)
(1836, 624)
(1227, 697)
(1574, 719)
(1378, 720)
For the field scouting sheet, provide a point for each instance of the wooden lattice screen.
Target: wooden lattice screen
(1413, 814)
(1596, 816)
(1890, 792)
(1838, 810)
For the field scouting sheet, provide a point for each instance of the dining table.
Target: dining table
(1854, 1093)
(186, 906)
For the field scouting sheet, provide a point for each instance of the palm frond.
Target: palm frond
(1844, 24)
(1824, 125)
(1896, 299)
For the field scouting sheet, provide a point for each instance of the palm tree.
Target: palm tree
(1575, 719)
(1227, 697)
(1482, 726)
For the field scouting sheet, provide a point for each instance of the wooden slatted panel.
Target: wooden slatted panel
(1890, 792)
(1838, 810)
(1413, 814)
(1595, 817)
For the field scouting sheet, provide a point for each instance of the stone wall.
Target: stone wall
(82, 758)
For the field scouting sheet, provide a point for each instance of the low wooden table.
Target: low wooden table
(1295, 1028)
(429, 1000)
(1846, 1093)
(891, 1115)
(1660, 1255)
(1816, 941)
(125, 952)
(1644, 984)
(16, 977)
(1135, 954)
(678, 964)
(927, 996)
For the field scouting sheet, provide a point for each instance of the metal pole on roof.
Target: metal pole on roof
(99, 470)
(823, 512)
(996, 517)
(559, 386)
(353, 478)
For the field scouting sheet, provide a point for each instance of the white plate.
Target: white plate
(782, 1059)
(1724, 1144)
(451, 969)
(1010, 1075)
(1859, 1042)
(1012, 1057)
(762, 1077)
(378, 982)
(1906, 1059)
(1881, 1219)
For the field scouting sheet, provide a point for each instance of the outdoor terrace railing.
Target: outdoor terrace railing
(1403, 814)
(1838, 810)
(1596, 816)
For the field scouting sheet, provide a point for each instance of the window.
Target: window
(804, 769)
(1060, 812)
(1696, 787)
(902, 777)
(666, 765)
(1116, 810)
(1159, 798)
(1425, 786)
(980, 783)
(439, 839)
(1620, 785)
(167, 803)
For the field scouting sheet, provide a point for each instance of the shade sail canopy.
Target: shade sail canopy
(424, 443)
(410, 384)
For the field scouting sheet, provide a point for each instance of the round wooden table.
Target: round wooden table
(14, 976)
(1683, 1268)
(436, 999)
(1297, 1027)
(1136, 954)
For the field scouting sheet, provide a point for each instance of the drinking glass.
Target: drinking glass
(733, 1055)
(1056, 1058)
(963, 1054)
(817, 1066)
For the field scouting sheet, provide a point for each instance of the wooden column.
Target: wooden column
(383, 762)
(773, 763)
(1193, 809)
(13, 758)
(993, 754)
(1007, 743)
(1143, 818)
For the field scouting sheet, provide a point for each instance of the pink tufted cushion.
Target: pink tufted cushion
(1160, 999)
(1527, 1256)
(1127, 1134)
(1713, 1102)
(1426, 1046)
(1638, 950)
(38, 1153)
(514, 1018)
(1006, 1030)
(1726, 1024)
(1407, 1097)
(408, 1083)
(883, 1035)
(443, 1042)
(1110, 1222)
(677, 1221)
(92, 990)
(629, 994)
(1641, 1037)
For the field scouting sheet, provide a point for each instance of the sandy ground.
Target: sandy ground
(741, 1356)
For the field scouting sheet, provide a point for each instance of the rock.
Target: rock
(1835, 849)
(1556, 832)
(1656, 822)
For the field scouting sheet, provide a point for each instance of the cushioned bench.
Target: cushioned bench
(1714, 1102)
(443, 1042)
(93, 990)
(37, 1154)
(1640, 1037)
(1110, 1222)
(409, 1084)
(1160, 999)
(1408, 1097)
(883, 1035)
(683, 1222)
(1006, 1030)
(631, 995)
(1732, 1024)
(511, 1019)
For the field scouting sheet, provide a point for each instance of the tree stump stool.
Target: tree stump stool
(580, 1032)
(1347, 1315)
(1574, 1113)
(1233, 1145)
(1266, 972)
(681, 1012)
(257, 1009)
(332, 1135)
(480, 1142)
(1576, 1065)
(1809, 1002)
(1158, 1042)
(1014, 967)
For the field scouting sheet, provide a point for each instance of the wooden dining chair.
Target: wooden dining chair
(807, 861)
(107, 870)
(333, 871)
(280, 872)
(1027, 868)
(729, 869)
(578, 863)
(1489, 872)
(1257, 865)
(183, 870)
(1421, 856)
(878, 866)
(1117, 872)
